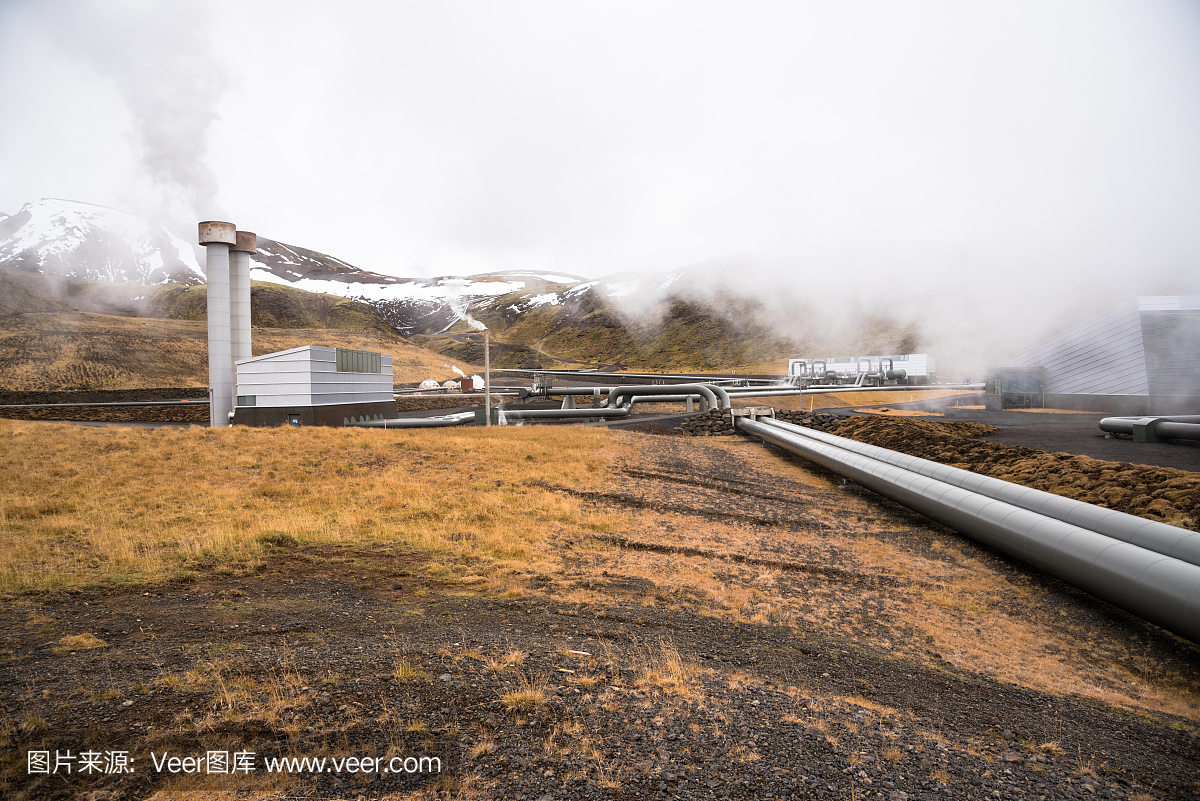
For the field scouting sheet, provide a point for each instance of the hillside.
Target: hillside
(64, 256)
(274, 306)
(79, 350)
(680, 334)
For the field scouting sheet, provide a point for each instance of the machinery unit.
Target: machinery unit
(869, 371)
(314, 385)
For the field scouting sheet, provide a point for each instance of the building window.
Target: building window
(246, 400)
(358, 361)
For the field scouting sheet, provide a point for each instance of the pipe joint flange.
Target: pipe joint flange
(1143, 429)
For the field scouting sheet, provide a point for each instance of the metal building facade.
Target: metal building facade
(314, 385)
(1141, 358)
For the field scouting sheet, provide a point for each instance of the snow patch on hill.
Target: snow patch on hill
(82, 240)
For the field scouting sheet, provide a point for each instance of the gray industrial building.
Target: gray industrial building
(1140, 358)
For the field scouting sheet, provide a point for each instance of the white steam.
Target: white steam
(161, 60)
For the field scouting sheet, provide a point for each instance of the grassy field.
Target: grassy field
(80, 350)
(579, 515)
(130, 506)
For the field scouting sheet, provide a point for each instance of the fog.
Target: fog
(998, 168)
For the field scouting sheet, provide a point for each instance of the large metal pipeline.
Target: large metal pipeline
(564, 414)
(1149, 534)
(418, 422)
(102, 405)
(1158, 588)
(1152, 428)
(709, 392)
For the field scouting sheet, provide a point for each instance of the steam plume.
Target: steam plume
(161, 59)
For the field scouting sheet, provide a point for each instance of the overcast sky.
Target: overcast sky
(1050, 141)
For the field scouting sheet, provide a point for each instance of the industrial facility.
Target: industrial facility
(314, 385)
(1138, 359)
(867, 371)
(310, 385)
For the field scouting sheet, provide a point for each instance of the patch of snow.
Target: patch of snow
(579, 289)
(549, 299)
(622, 289)
(262, 274)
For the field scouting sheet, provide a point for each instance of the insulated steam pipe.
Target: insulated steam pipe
(418, 422)
(102, 405)
(563, 414)
(1149, 534)
(1184, 426)
(217, 237)
(709, 392)
(1158, 588)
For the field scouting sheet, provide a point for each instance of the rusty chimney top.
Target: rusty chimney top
(215, 232)
(247, 242)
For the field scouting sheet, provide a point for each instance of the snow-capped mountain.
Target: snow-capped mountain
(81, 240)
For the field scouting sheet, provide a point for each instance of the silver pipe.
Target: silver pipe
(563, 414)
(217, 237)
(709, 392)
(1158, 588)
(1173, 430)
(418, 422)
(1149, 534)
(1184, 426)
(102, 405)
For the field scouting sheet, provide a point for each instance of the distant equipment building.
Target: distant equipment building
(1141, 358)
(314, 385)
(905, 368)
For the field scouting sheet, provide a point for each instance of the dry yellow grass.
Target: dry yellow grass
(79, 642)
(84, 505)
(664, 669)
(531, 693)
(901, 412)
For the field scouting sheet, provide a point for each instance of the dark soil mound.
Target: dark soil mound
(1156, 493)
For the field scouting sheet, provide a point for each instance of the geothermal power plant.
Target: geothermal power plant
(309, 385)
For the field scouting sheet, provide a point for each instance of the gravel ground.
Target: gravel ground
(726, 711)
(600, 682)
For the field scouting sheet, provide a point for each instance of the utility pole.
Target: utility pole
(487, 378)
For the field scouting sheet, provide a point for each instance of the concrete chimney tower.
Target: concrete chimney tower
(217, 238)
(239, 297)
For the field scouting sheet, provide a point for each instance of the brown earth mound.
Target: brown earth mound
(1156, 493)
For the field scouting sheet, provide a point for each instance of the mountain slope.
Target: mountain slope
(75, 351)
(274, 306)
(81, 240)
(700, 318)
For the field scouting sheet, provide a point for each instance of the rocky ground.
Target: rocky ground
(765, 635)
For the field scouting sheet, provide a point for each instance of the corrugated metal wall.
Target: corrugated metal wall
(1172, 343)
(1103, 356)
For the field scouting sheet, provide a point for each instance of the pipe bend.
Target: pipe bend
(709, 392)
